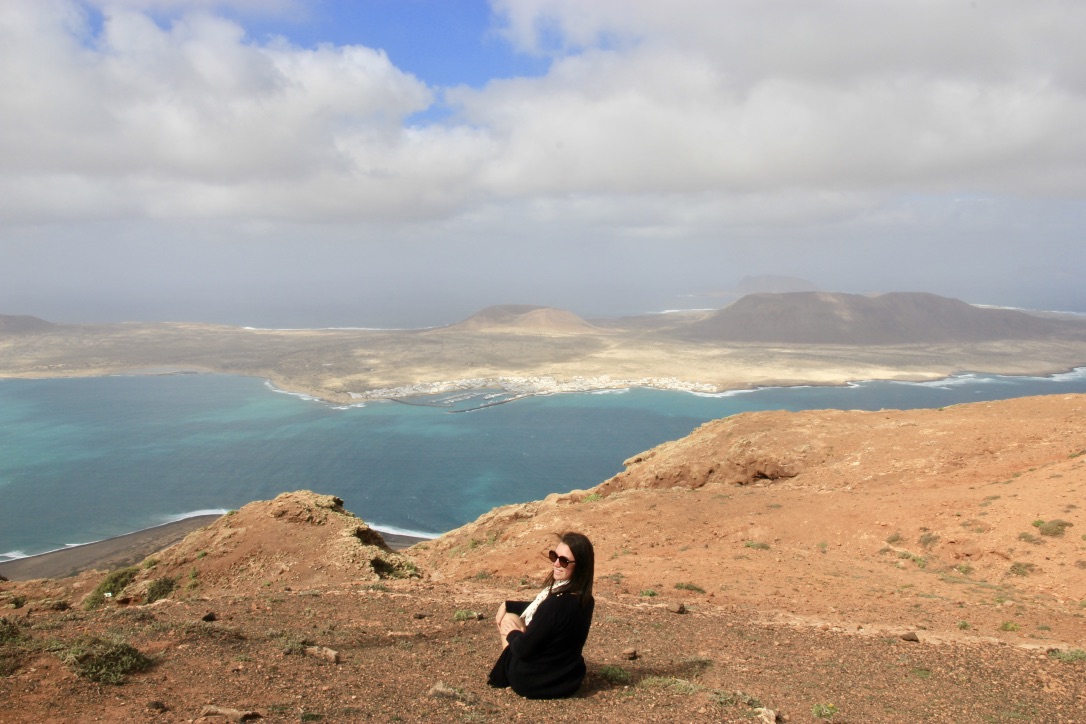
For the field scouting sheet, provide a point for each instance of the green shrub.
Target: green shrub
(927, 540)
(1021, 568)
(690, 587)
(1069, 656)
(103, 661)
(823, 711)
(894, 538)
(963, 625)
(615, 674)
(160, 588)
(757, 545)
(1052, 528)
(110, 586)
(9, 632)
(1008, 626)
(649, 593)
(465, 615)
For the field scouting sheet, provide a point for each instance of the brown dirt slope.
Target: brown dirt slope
(925, 566)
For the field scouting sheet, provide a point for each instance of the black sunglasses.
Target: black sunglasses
(562, 560)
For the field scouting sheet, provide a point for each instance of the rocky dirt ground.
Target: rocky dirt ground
(846, 566)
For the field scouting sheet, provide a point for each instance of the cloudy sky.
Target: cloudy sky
(407, 162)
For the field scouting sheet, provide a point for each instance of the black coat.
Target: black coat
(545, 660)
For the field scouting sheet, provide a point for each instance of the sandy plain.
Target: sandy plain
(348, 365)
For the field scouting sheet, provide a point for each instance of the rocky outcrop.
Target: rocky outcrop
(298, 539)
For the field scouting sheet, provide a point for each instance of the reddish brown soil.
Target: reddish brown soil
(802, 546)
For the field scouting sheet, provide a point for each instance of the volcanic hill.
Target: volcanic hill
(525, 319)
(854, 319)
(881, 566)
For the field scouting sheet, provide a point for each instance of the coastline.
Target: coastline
(129, 549)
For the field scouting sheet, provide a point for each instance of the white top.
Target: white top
(530, 611)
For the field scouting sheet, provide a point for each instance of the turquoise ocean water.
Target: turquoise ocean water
(87, 459)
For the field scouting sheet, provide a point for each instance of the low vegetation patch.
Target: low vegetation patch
(757, 545)
(1052, 528)
(927, 540)
(160, 588)
(290, 644)
(1008, 626)
(690, 587)
(1069, 656)
(110, 586)
(103, 661)
(679, 686)
(9, 631)
(894, 538)
(735, 698)
(463, 614)
(615, 674)
(823, 711)
(649, 593)
(1030, 538)
(1021, 568)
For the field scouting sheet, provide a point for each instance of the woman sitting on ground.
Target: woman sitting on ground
(542, 640)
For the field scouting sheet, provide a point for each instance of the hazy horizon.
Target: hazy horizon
(402, 163)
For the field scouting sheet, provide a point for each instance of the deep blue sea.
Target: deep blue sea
(86, 459)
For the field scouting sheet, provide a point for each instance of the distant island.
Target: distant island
(761, 339)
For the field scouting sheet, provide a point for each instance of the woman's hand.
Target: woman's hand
(499, 615)
(511, 622)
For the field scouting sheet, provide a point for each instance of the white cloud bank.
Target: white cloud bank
(685, 120)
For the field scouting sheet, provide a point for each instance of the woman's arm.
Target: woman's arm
(509, 623)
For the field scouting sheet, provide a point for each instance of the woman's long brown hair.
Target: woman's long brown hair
(584, 569)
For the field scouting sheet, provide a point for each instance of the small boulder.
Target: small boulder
(910, 636)
(231, 714)
(323, 652)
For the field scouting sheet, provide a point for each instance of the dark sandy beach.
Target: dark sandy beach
(126, 550)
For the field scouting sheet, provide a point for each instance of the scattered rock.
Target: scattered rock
(676, 607)
(441, 690)
(629, 654)
(419, 615)
(766, 715)
(157, 706)
(231, 714)
(210, 616)
(910, 636)
(322, 652)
